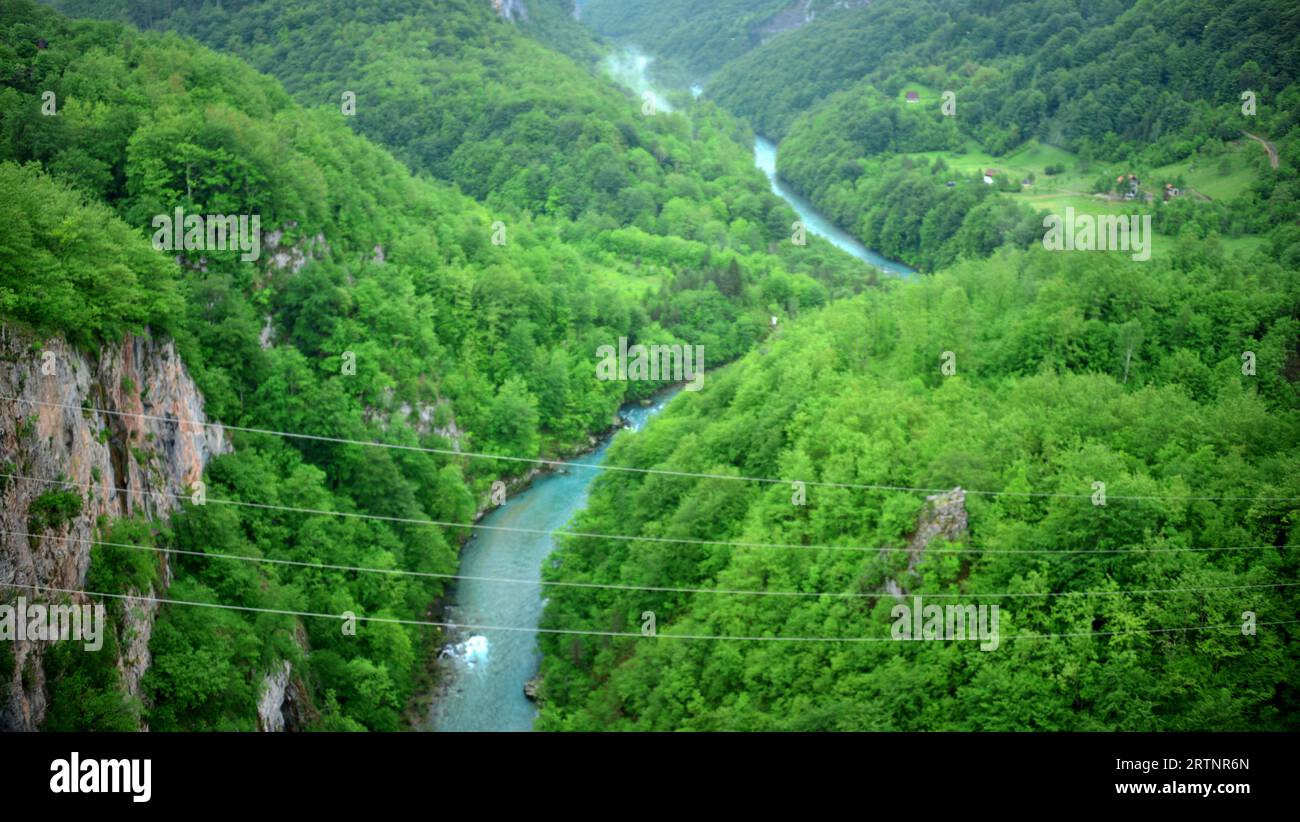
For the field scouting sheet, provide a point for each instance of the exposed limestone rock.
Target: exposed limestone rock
(292, 257)
(797, 15)
(943, 517)
(134, 658)
(450, 431)
(423, 415)
(420, 416)
(510, 9)
(275, 686)
(267, 337)
(94, 423)
(284, 702)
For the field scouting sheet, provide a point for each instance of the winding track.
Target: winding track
(1269, 147)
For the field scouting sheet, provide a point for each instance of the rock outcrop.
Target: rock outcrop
(511, 10)
(282, 256)
(422, 417)
(275, 688)
(100, 426)
(942, 518)
(799, 14)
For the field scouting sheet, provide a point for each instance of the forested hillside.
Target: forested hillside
(1132, 70)
(701, 36)
(455, 91)
(458, 92)
(1104, 88)
(458, 210)
(1068, 370)
(456, 342)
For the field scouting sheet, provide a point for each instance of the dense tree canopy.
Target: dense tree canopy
(439, 269)
(702, 36)
(1138, 85)
(465, 327)
(1050, 394)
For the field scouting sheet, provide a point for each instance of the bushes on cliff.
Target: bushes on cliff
(85, 688)
(52, 510)
(455, 340)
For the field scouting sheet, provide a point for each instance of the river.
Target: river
(814, 221)
(630, 68)
(484, 671)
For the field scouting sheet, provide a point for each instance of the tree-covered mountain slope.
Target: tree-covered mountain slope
(457, 90)
(454, 89)
(384, 306)
(1065, 371)
(1057, 69)
(701, 36)
(440, 266)
(1056, 98)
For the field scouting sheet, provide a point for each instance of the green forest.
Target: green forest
(1148, 87)
(1041, 402)
(403, 273)
(466, 207)
(699, 37)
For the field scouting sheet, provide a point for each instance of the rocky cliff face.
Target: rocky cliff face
(943, 517)
(510, 9)
(799, 14)
(94, 422)
(284, 703)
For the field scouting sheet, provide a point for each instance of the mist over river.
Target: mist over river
(630, 67)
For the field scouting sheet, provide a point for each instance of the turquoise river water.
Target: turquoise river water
(485, 670)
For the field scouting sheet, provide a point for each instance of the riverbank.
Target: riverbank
(480, 671)
(630, 67)
(431, 681)
(434, 641)
(816, 222)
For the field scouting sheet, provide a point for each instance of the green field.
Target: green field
(927, 94)
(1222, 176)
(635, 287)
(1031, 158)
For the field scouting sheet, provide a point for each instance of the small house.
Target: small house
(913, 97)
